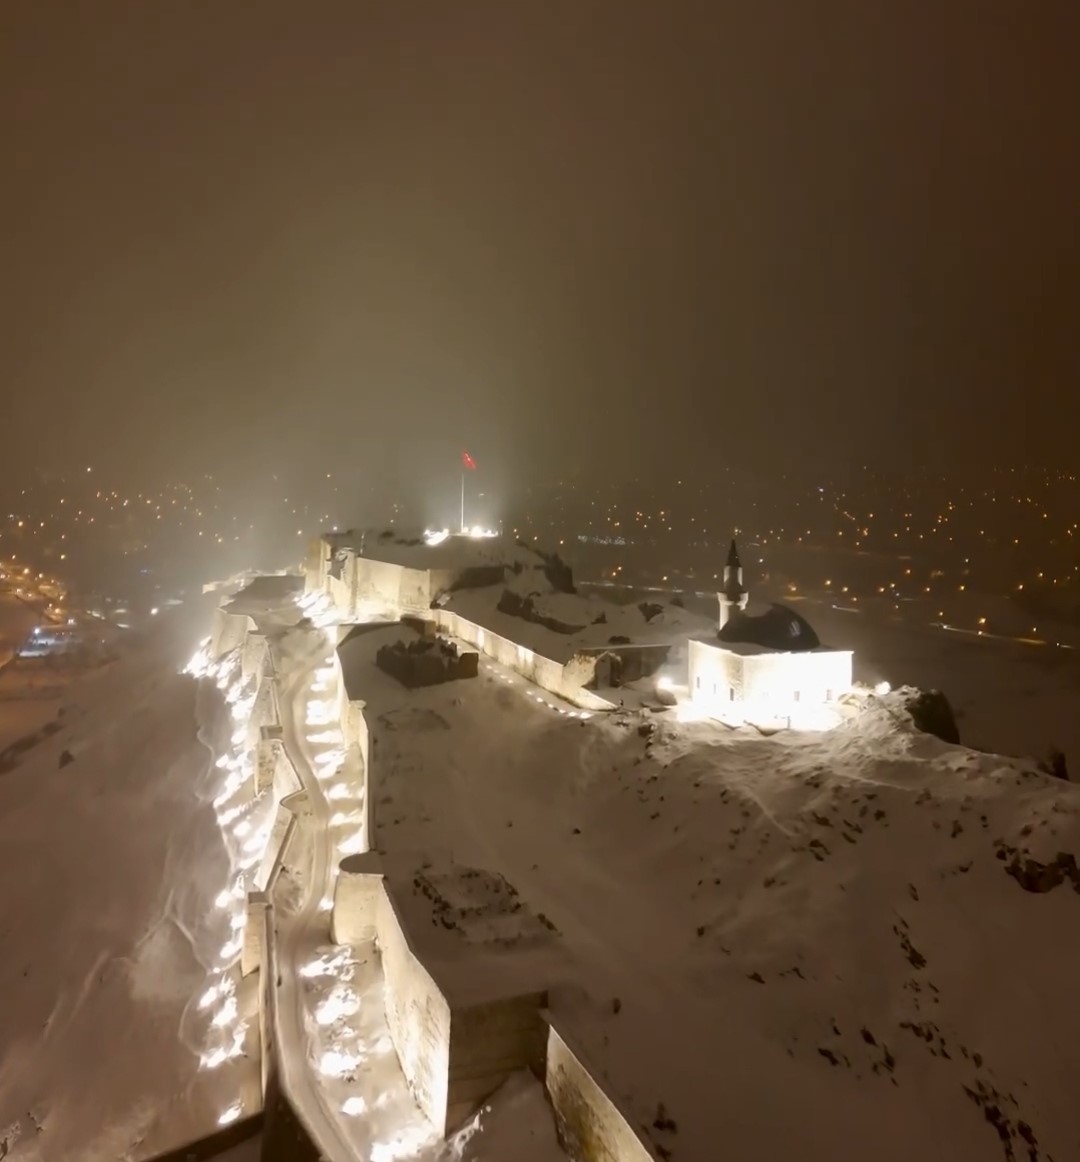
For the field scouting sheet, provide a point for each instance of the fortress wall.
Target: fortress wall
(454, 1055)
(340, 592)
(228, 632)
(591, 1127)
(417, 1013)
(565, 680)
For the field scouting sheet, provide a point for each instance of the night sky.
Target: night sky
(607, 235)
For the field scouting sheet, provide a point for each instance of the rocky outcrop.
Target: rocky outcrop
(558, 573)
(1034, 876)
(1054, 765)
(932, 714)
(524, 607)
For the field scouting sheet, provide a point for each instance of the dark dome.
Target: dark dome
(779, 628)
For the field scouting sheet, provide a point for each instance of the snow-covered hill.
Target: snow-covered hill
(109, 862)
(811, 945)
(829, 947)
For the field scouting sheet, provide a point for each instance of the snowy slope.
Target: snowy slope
(803, 946)
(1009, 697)
(110, 864)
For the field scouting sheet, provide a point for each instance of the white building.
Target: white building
(763, 667)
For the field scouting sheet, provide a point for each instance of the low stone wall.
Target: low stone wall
(254, 657)
(281, 832)
(355, 728)
(269, 752)
(426, 663)
(591, 1127)
(266, 711)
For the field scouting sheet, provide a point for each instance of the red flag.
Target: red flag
(467, 460)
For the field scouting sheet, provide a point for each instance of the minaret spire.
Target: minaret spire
(733, 597)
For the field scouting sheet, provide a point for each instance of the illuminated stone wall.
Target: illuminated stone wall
(265, 711)
(714, 673)
(417, 1012)
(566, 680)
(354, 917)
(591, 1128)
(818, 676)
(339, 591)
(355, 728)
(381, 583)
(488, 1042)
(454, 1051)
(254, 656)
(718, 675)
(229, 632)
(418, 1016)
(316, 565)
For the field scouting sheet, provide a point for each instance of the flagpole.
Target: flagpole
(463, 500)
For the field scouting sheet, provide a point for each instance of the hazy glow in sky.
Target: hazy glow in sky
(578, 236)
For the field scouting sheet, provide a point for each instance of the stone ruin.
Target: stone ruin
(427, 662)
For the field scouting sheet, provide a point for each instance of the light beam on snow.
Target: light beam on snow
(342, 1002)
(336, 1063)
(226, 1014)
(352, 846)
(325, 965)
(231, 1114)
(404, 1144)
(334, 736)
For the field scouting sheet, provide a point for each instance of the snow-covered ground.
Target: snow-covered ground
(805, 946)
(111, 865)
(1009, 697)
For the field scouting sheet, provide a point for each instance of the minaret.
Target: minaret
(733, 597)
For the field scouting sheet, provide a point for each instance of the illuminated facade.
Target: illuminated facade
(769, 679)
(766, 666)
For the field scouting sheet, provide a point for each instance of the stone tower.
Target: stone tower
(733, 597)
